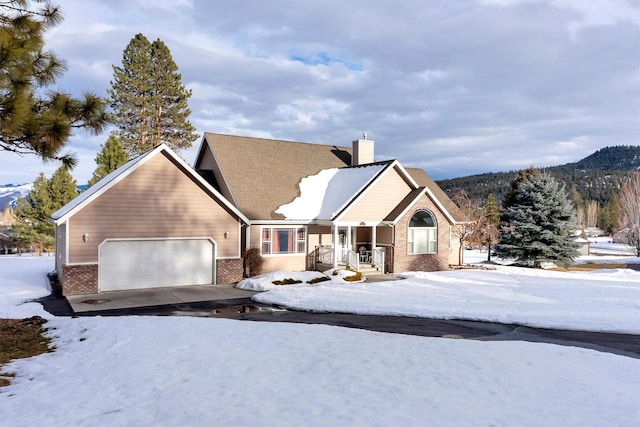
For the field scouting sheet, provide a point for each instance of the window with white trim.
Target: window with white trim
(283, 240)
(422, 237)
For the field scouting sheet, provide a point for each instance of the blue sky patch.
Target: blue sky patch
(325, 59)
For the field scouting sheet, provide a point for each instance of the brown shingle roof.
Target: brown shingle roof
(424, 180)
(263, 174)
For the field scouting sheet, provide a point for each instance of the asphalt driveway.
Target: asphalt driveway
(228, 302)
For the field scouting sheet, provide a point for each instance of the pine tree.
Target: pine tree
(110, 158)
(32, 225)
(538, 223)
(610, 215)
(149, 100)
(32, 217)
(62, 187)
(32, 119)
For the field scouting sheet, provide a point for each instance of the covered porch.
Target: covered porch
(358, 246)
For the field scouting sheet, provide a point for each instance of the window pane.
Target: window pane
(283, 241)
(422, 219)
(301, 241)
(266, 241)
(420, 245)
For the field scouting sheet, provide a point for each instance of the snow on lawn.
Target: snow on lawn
(603, 300)
(23, 278)
(179, 371)
(264, 282)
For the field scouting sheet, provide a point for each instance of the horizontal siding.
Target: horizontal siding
(318, 235)
(156, 200)
(384, 235)
(284, 262)
(379, 200)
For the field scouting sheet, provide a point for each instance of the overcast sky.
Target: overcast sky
(454, 87)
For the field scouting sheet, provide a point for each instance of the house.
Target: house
(314, 205)
(157, 222)
(153, 222)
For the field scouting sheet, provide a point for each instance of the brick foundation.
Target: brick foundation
(229, 270)
(80, 279)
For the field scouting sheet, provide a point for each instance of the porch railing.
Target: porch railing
(323, 255)
(353, 260)
(378, 258)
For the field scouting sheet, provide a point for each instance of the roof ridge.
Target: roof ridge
(276, 140)
(379, 163)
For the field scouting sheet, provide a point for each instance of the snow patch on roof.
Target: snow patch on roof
(325, 194)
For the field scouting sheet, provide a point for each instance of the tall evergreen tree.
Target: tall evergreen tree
(538, 223)
(148, 98)
(32, 224)
(33, 120)
(110, 158)
(62, 187)
(610, 215)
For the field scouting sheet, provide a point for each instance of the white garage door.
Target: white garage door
(138, 264)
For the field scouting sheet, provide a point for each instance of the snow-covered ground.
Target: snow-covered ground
(178, 371)
(602, 300)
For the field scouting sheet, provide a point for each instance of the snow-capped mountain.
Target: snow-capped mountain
(9, 194)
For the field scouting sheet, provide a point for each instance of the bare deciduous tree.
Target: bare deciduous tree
(629, 197)
(470, 210)
(487, 231)
(591, 209)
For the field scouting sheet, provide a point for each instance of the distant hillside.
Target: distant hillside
(595, 177)
(9, 194)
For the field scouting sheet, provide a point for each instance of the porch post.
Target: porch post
(373, 237)
(334, 231)
(349, 237)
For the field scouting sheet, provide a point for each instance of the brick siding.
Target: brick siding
(229, 270)
(402, 261)
(80, 279)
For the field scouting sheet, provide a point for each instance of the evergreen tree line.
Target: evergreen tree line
(537, 221)
(594, 183)
(33, 225)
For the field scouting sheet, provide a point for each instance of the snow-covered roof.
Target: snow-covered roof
(123, 171)
(325, 194)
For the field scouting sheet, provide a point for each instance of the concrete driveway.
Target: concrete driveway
(118, 300)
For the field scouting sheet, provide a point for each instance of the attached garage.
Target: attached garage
(151, 263)
(153, 222)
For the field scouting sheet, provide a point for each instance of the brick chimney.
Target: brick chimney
(362, 151)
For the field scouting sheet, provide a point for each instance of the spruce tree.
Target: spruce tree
(32, 225)
(538, 223)
(149, 100)
(110, 158)
(32, 119)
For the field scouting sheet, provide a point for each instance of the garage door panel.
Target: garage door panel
(136, 264)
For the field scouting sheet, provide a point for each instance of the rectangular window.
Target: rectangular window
(276, 240)
(422, 241)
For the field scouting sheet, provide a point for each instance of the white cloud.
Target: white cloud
(459, 88)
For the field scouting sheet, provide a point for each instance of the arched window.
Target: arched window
(423, 233)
